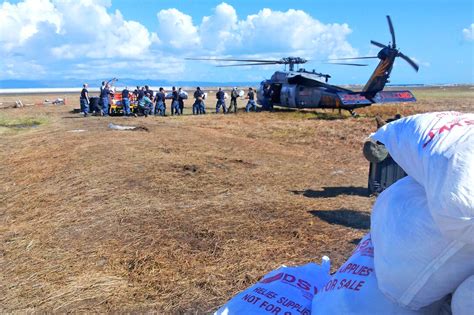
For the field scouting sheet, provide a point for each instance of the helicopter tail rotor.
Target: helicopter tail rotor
(389, 49)
(392, 31)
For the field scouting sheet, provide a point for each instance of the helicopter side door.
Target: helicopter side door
(288, 95)
(308, 97)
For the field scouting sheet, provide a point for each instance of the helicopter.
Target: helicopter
(302, 89)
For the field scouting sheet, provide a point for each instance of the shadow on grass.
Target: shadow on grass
(355, 241)
(345, 217)
(312, 114)
(329, 192)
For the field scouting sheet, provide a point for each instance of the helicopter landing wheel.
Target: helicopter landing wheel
(353, 113)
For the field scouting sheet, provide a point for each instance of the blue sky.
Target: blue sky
(85, 39)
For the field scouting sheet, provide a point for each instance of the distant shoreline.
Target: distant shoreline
(42, 90)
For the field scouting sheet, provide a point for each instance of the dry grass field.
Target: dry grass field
(182, 217)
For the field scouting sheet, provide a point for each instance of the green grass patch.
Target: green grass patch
(25, 122)
(9, 125)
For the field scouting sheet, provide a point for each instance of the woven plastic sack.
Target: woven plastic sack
(462, 302)
(416, 264)
(437, 150)
(286, 290)
(353, 288)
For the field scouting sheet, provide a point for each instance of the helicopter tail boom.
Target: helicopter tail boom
(360, 99)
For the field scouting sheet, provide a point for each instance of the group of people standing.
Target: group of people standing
(150, 103)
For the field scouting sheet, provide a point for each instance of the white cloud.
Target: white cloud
(270, 32)
(295, 31)
(20, 22)
(176, 29)
(53, 35)
(82, 27)
(468, 33)
(220, 30)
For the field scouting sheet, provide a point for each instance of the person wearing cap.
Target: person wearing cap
(198, 106)
(251, 102)
(126, 102)
(220, 96)
(233, 100)
(84, 100)
(160, 107)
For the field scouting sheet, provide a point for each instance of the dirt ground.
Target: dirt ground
(182, 217)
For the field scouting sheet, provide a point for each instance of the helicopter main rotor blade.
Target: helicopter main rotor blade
(373, 42)
(407, 59)
(230, 59)
(250, 64)
(392, 31)
(368, 57)
(348, 64)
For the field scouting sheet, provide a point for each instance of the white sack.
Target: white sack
(416, 264)
(353, 288)
(437, 150)
(241, 93)
(183, 95)
(462, 302)
(286, 290)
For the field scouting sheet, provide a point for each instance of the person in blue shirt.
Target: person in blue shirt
(199, 107)
(181, 101)
(104, 96)
(84, 100)
(220, 96)
(251, 103)
(145, 105)
(160, 107)
(126, 102)
(174, 102)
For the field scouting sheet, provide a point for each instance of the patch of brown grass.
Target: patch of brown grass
(181, 218)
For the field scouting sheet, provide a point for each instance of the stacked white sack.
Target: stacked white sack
(462, 302)
(353, 288)
(286, 290)
(437, 150)
(416, 264)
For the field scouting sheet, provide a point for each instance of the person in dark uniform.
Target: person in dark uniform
(181, 101)
(141, 93)
(267, 98)
(220, 96)
(84, 100)
(160, 103)
(251, 102)
(233, 100)
(104, 96)
(136, 91)
(174, 102)
(198, 99)
(126, 102)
